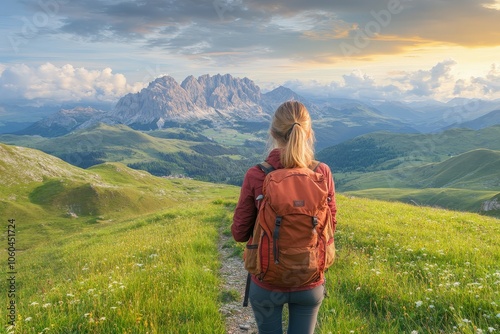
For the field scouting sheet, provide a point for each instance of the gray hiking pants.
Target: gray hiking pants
(303, 307)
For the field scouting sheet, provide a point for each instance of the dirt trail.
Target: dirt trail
(239, 319)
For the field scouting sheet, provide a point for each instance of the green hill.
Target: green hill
(39, 187)
(465, 182)
(115, 143)
(450, 198)
(384, 150)
(166, 152)
(474, 170)
(478, 169)
(456, 169)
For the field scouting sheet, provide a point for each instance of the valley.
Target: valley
(143, 254)
(123, 223)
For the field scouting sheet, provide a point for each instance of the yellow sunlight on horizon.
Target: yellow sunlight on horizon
(495, 5)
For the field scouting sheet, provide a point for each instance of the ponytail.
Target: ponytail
(291, 131)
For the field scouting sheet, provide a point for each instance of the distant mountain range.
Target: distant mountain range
(221, 99)
(227, 101)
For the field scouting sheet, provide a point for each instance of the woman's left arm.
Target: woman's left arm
(245, 213)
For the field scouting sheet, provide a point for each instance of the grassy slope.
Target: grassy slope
(406, 269)
(39, 187)
(119, 142)
(456, 169)
(403, 268)
(165, 152)
(400, 268)
(463, 182)
(128, 270)
(450, 142)
(126, 145)
(157, 274)
(410, 149)
(477, 169)
(454, 199)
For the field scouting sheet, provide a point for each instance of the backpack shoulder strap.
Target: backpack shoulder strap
(266, 167)
(314, 165)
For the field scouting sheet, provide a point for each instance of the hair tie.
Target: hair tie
(289, 132)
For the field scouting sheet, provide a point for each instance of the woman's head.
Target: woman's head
(291, 130)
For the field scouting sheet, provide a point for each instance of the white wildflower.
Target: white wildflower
(28, 319)
(419, 303)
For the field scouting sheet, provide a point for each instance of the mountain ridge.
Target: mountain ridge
(217, 98)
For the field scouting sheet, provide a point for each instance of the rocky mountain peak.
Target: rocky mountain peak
(217, 97)
(162, 82)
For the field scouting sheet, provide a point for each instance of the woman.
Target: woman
(292, 141)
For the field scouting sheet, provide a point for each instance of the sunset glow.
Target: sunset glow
(309, 45)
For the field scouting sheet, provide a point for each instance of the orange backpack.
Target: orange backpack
(292, 241)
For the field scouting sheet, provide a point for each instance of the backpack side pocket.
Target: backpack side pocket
(250, 256)
(330, 252)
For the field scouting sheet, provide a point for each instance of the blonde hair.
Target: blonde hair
(291, 130)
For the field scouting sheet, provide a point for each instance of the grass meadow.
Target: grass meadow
(407, 269)
(399, 269)
(157, 274)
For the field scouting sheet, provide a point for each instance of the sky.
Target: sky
(56, 51)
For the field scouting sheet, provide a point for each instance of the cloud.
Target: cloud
(50, 83)
(320, 31)
(356, 85)
(474, 87)
(429, 83)
(438, 82)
